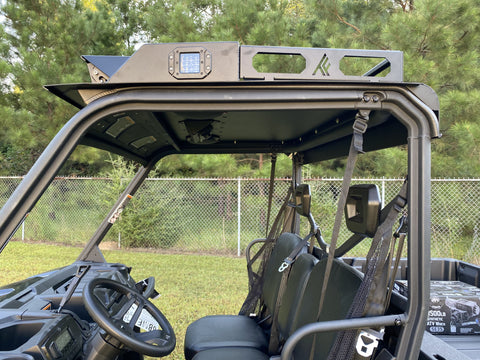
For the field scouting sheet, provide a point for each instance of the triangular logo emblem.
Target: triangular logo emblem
(323, 66)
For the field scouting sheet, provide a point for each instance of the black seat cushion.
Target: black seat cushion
(231, 354)
(219, 331)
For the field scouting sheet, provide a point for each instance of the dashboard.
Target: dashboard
(45, 317)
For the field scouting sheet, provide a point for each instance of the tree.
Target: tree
(439, 40)
(40, 44)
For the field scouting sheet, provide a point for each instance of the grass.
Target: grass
(191, 286)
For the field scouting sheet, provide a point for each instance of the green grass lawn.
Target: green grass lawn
(191, 286)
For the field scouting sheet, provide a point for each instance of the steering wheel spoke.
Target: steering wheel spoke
(124, 327)
(125, 309)
(135, 316)
(107, 299)
(157, 339)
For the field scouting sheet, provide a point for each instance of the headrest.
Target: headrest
(303, 199)
(362, 209)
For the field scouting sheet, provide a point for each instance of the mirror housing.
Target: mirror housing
(303, 199)
(362, 209)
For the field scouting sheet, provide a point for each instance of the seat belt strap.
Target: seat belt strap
(399, 235)
(270, 191)
(255, 279)
(272, 235)
(356, 147)
(285, 269)
(370, 296)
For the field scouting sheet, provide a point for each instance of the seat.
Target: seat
(237, 330)
(288, 315)
(218, 331)
(231, 353)
(341, 290)
(362, 215)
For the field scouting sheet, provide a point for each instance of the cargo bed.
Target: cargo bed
(459, 278)
(468, 345)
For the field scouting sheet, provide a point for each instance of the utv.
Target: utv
(307, 299)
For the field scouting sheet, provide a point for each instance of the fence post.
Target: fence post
(383, 190)
(239, 191)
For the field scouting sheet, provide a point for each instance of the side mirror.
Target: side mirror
(362, 209)
(303, 199)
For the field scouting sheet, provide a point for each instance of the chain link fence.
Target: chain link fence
(221, 216)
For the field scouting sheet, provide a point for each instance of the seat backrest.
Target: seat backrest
(294, 292)
(341, 290)
(283, 248)
(286, 243)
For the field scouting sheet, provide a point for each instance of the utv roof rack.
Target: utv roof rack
(223, 97)
(230, 62)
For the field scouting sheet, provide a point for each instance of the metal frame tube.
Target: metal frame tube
(337, 325)
(106, 224)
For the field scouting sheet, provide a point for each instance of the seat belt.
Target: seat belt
(356, 147)
(285, 269)
(370, 298)
(399, 235)
(255, 280)
(270, 191)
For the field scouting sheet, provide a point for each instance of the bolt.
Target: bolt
(366, 98)
(375, 98)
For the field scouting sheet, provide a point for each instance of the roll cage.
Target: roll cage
(212, 98)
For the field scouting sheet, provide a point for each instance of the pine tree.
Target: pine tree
(41, 43)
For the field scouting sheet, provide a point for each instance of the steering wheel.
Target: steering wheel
(120, 323)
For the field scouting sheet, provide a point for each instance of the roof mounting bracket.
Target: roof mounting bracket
(102, 67)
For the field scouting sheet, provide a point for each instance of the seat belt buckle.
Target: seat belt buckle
(360, 125)
(284, 266)
(402, 227)
(367, 341)
(359, 128)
